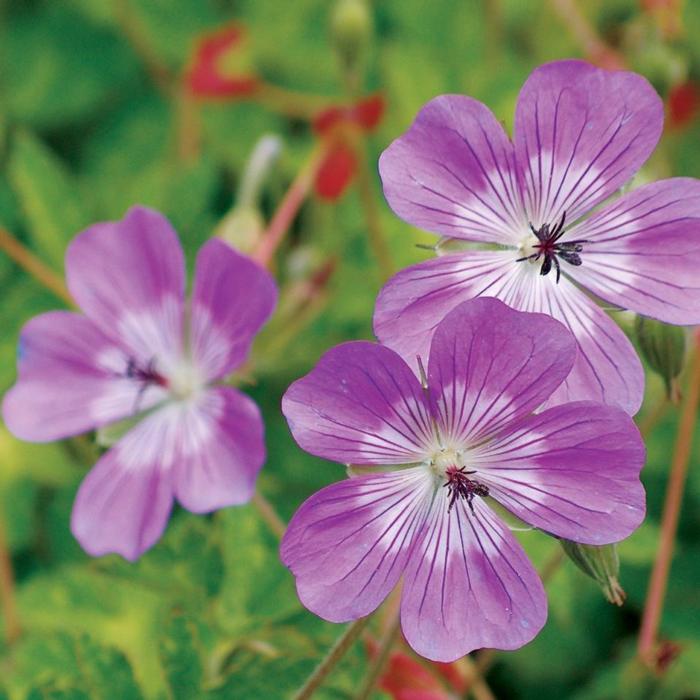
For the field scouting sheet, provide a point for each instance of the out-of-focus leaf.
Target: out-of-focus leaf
(60, 66)
(257, 589)
(49, 198)
(71, 666)
(181, 657)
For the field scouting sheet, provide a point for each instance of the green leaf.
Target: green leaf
(71, 666)
(48, 196)
(180, 656)
(256, 589)
(59, 67)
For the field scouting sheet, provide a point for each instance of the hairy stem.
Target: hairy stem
(288, 208)
(30, 263)
(375, 671)
(658, 582)
(335, 654)
(269, 514)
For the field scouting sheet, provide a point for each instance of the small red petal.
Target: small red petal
(328, 118)
(336, 172)
(683, 103)
(406, 679)
(369, 111)
(205, 77)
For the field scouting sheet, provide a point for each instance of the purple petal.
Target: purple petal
(71, 379)
(490, 365)
(221, 451)
(128, 276)
(644, 251)
(453, 173)
(349, 543)
(469, 585)
(361, 404)
(124, 503)
(607, 368)
(232, 298)
(580, 133)
(414, 301)
(572, 470)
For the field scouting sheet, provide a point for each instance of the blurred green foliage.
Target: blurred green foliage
(86, 130)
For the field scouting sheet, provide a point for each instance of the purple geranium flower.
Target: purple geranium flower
(437, 453)
(580, 134)
(134, 352)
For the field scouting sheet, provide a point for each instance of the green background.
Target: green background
(84, 133)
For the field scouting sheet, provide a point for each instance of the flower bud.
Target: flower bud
(663, 347)
(351, 27)
(601, 563)
(242, 228)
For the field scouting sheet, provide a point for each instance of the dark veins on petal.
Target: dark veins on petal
(459, 485)
(551, 250)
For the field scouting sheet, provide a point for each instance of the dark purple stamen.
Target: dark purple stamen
(146, 376)
(459, 485)
(551, 250)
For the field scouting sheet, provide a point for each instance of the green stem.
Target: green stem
(375, 670)
(269, 514)
(41, 272)
(335, 654)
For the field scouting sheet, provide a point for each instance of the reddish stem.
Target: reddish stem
(288, 208)
(658, 583)
(34, 266)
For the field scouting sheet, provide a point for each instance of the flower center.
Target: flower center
(182, 382)
(544, 243)
(447, 464)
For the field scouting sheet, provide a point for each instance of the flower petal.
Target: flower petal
(71, 379)
(469, 585)
(361, 404)
(580, 133)
(414, 301)
(571, 470)
(607, 368)
(232, 298)
(453, 172)
(490, 365)
(644, 251)
(124, 503)
(222, 449)
(128, 276)
(336, 171)
(349, 543)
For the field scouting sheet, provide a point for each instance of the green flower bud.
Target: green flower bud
(351, 28)
(663, 347)
(601, 564)
(242, 228)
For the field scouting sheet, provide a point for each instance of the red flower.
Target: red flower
(219, 67)
(404, 678)
(683, 104)
(339, 126)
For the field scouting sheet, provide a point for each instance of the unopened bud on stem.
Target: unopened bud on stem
(601, 563)
(351, 28)
(663, 347)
